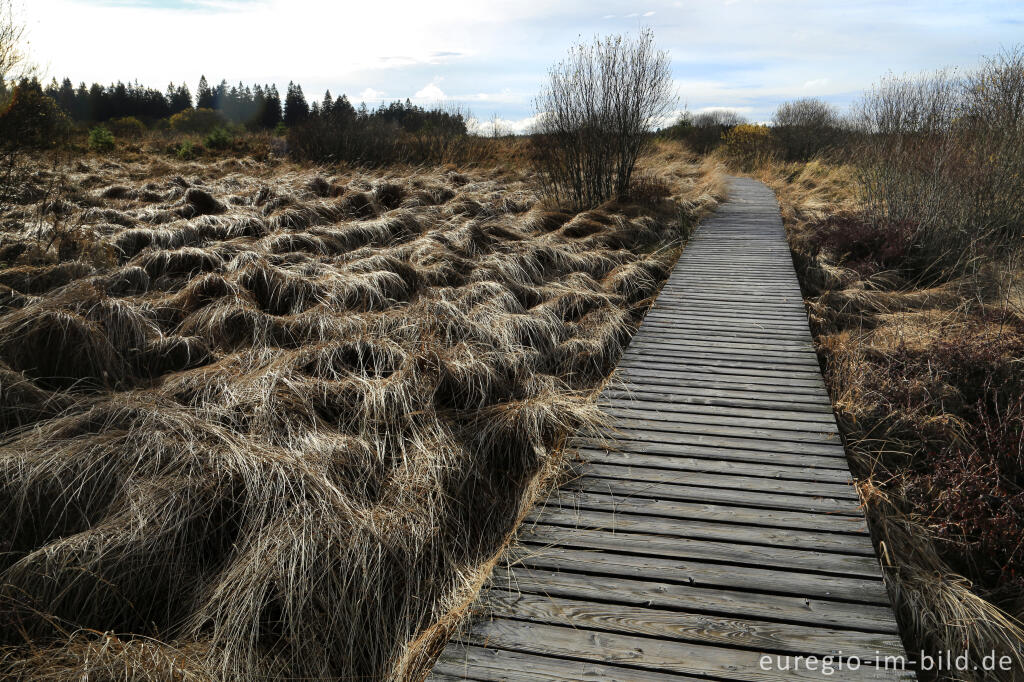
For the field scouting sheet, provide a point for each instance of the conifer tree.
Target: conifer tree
(271, 113)
(296, 109)
(204, 95)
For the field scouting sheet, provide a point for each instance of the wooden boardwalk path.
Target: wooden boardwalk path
(718, 525)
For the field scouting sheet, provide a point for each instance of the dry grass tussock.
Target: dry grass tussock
(925, 374)
(262, 421)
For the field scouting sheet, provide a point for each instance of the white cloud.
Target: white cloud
(647, 14)
(431, 91)
(816, 83)
(370, 95)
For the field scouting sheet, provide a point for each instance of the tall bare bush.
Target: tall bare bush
(806, 127)
(14, 64)
(596, 114)
(941, 163)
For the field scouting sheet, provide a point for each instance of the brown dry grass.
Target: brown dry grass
(926, 382)
(266, 421)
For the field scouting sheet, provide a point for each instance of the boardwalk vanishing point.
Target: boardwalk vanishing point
(715, 533)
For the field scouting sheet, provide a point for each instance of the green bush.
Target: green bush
(186, 151)
(31, 119)
(199, 121)
(219, 138)
(101, 139)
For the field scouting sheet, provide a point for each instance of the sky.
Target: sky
(492, 58)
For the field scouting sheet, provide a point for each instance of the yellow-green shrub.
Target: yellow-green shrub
(201, 121)
(749, 145)
(128, 127)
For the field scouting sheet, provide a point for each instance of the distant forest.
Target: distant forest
(254, 107)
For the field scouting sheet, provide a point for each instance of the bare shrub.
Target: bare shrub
(706, 130)
(942, 159)
(806, 127)
(595, 117)
(14, 64)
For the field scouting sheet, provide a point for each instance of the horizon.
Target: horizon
(745, 56)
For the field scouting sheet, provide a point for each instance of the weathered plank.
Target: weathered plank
(723, 631)
(698, 528)
(765, 484)
(769, 468)
(721, 512)
(640, 653)
(798, 560)
(772, 607)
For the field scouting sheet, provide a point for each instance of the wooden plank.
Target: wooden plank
(704, 387)
(580, 556)
(668, 330)
(772, 607)
(795, 561)
(632, 472)
(702, 529)
(710, 511)
(666, 412)
(730, 373)
(692, 351)
(791, 437)
(466, 662)
(682, 314)
(705, 379)
(723, 631)
(685, 395)
(692, 493)
(682, 337)
(639, 652)
(626, 442)
(769, 469)
(697, 436)
(683, 360)
(639, 401)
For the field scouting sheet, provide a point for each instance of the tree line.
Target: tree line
(255, 107)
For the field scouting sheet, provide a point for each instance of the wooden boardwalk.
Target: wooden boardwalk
(718, 526)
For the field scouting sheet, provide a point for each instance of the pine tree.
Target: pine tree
(270, 115)
(327, 106)
(204, 95)
(66, 97)
(343, 110)
(296, 109)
